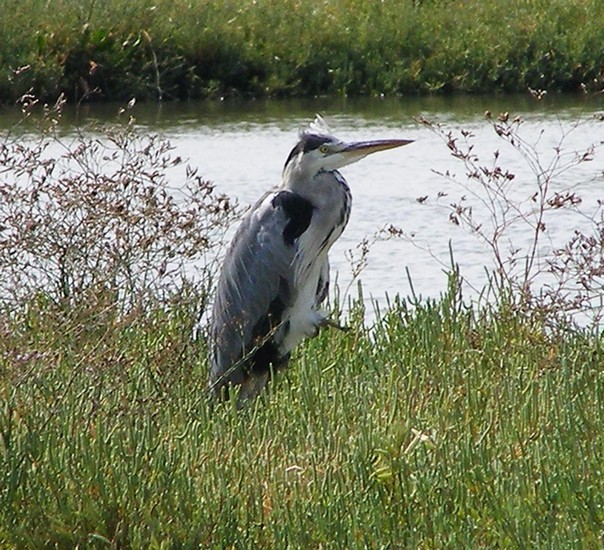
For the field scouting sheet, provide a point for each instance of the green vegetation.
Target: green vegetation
(445, 425)
(176, 49)
(441, 428)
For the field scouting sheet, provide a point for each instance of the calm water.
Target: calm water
(242, 146)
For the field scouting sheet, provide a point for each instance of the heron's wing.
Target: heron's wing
(256, 284)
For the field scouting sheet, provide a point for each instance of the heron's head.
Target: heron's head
(320, 151)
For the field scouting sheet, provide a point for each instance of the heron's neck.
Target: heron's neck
(299, 179)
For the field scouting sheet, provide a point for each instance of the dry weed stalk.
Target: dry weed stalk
(95, 213)
(564, 281)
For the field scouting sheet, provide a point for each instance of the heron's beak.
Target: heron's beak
(356, 151)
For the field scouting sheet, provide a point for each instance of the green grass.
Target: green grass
(177, 49)
(443, 427)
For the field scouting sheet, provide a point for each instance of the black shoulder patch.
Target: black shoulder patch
(298, 211)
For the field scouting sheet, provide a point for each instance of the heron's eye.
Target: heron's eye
(324, 149)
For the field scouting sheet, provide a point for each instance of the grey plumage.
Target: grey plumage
(276, 272)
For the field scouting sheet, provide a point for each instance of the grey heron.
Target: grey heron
(276, 272)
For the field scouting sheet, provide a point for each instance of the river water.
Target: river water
(241, 147)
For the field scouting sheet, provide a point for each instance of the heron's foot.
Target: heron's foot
(327, 322)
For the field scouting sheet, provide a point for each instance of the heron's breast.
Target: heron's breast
(302, 319)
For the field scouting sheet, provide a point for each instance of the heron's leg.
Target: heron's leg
(252, 386)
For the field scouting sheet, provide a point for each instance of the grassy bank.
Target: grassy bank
(169, 50)
(442, 428)
(445, 425)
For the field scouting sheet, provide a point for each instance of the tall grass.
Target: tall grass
(167, 50)
(441, 427)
